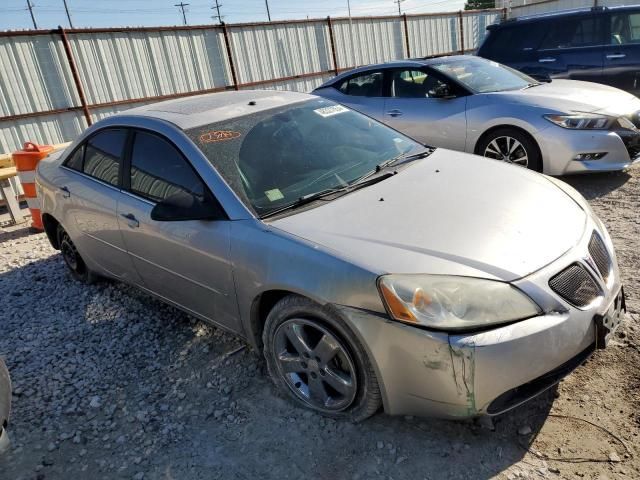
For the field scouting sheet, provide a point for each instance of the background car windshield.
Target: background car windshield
(484, 76)
(273, 158)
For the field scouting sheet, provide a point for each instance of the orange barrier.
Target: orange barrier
(26, 161)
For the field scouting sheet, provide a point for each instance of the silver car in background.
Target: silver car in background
(369, 270)
(478, 106)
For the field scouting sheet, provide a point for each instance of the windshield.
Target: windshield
(482, 76)
(273, 158)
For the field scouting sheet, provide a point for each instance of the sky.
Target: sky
(14, 14)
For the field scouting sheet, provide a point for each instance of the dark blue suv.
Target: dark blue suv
(600, 44)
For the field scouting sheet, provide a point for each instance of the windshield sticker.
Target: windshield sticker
(330, 111)
(218, 136)
(274, 195)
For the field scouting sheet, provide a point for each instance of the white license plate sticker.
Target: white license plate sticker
(331, 111)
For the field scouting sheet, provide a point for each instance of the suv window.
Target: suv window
(573, 32)
(158, 169)
(368, 85)
(413, 84)
(625, 28)
(103, 155)
(507, 43)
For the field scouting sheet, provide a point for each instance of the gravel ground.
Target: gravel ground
(110, 383)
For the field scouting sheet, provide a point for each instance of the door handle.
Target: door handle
(132, 221)
(65, 192)
(547, 60)
(394, 113)
(613, 56)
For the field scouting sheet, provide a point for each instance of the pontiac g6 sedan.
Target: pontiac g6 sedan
(370, 270)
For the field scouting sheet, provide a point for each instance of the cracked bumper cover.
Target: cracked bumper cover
(428, 373)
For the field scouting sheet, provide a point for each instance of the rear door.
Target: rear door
(573, 48)
(90, 191)
(622, 54)
(413, 109)
(363, 92)
(185, 262)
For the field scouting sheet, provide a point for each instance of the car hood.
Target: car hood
(575, 96)
(451, 213)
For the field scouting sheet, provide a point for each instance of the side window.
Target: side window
(573, 32)
(625, 28)
(369, 85)
(507, 44)
(75, 160)
(103, 155)
(158, 170)
(413, 84)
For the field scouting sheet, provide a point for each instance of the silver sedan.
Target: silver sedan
(478, 106)
(370, 271)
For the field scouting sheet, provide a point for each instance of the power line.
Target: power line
(182, 5)
(218, 16)
(66, 9)
(33, 18)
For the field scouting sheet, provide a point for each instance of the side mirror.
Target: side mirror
(441, 91)
(183, 206)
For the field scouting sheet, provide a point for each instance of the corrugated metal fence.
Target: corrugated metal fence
(55, 83)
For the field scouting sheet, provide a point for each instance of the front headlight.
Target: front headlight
(453, 303)
(581, 121)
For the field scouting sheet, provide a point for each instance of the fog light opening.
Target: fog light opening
(589, 156)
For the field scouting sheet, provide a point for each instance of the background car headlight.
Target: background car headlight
(453, 303)
(581, 121)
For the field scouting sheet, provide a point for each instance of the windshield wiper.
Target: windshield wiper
(402, 158)
(530, 85)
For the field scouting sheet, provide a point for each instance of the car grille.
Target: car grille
(576, 285)
(600, 255)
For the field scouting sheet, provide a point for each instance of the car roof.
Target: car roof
(410, 62)
(560, 14)
(197, 110)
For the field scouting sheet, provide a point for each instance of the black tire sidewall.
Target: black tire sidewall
(82, 273)
(533, 152)
(367, 399)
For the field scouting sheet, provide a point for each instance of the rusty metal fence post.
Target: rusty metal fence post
(406, 34)
(234, 78)
(333, 46)
(76, 76)
(461, 22)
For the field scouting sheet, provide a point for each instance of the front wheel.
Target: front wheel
(512, 146)
(314, 358)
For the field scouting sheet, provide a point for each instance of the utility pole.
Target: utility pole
(398, 2)
(266, 2)
(353, 50)
(217, 8)
(33, 18)
(66, 9)
(182, 5)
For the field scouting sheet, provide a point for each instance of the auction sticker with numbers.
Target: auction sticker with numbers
(330, 111)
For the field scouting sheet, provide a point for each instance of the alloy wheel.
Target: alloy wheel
(315, 365)
(69, 253)
(507, 149)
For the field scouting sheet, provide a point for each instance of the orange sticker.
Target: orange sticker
(218, 136)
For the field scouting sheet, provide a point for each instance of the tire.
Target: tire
(329, 370)
(73, 259)
(497, 144)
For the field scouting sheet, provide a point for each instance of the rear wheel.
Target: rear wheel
(314, 358)
(512, 146)
(72, 258)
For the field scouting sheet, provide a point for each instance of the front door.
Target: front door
(363, 92)
(185, 262)
(415, 108)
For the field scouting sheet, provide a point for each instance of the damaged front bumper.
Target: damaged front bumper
(427, 373)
